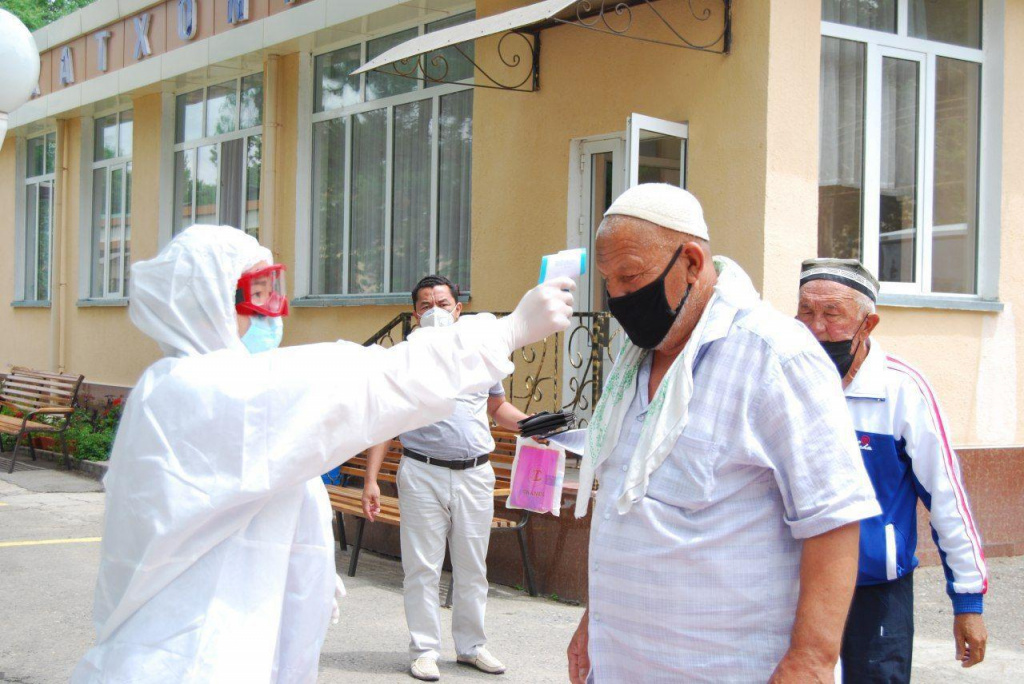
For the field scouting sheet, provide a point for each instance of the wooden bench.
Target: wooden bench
(31, 394)
(348, 499)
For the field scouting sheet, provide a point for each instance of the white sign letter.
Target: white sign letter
(67, 66)
(238, 10)
(101, 46)
(187, 19)
(142, 48)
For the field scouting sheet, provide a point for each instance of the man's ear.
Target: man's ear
(871, 322)
(696, 258)
(458, 309)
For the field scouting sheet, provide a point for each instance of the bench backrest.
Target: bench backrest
(26, 389)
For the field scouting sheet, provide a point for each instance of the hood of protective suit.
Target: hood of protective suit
(184, 298)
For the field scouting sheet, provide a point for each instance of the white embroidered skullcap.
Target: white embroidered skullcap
(666, 205)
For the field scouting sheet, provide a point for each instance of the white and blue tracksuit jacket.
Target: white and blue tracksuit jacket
(908, 455)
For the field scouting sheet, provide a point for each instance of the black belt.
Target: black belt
(454, 465)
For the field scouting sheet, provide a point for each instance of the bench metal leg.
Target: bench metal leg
(355, 549)
(527, 568)
(342, 541)
(31, 446)
(14, 454)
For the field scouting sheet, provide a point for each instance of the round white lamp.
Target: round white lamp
(20, 59)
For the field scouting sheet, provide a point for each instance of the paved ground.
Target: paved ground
(47, 595)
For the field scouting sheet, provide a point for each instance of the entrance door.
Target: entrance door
(648, 151)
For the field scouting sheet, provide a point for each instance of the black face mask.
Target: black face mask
(843, 352)
(645, 314)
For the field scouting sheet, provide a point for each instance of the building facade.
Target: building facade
(879, 130)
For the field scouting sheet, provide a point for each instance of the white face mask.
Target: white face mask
(436, 318)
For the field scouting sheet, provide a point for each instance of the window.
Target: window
(217, 155)
(900, 126)
(40, 174)
(111, 206)
(391, 177)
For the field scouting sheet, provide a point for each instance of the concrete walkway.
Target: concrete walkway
(47, 597)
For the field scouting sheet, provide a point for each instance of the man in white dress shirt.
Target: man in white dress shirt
(724, 535)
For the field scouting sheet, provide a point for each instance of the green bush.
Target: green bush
(91, 432)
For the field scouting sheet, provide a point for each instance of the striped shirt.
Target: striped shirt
(699, 581)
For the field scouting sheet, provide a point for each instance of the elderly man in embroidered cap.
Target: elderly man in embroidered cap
(907, 454)
(723, 543)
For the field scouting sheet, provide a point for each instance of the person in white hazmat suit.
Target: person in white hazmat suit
(217, 561)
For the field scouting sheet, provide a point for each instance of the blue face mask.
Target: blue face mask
(264, 334)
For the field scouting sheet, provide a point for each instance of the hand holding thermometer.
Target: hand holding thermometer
(569, 262)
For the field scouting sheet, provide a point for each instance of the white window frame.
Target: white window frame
(304, 183)
(24, 294)
(193, 145)
(880, 44)
(123, 162)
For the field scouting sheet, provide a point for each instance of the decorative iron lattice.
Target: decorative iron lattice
(616, 17)
(517, 67)
(564, 372)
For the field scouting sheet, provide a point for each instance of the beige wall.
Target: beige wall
(589, 84)
(102, 343)
(25, 341)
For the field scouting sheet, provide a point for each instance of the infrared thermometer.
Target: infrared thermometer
(568, 262)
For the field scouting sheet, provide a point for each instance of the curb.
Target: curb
(92, 469)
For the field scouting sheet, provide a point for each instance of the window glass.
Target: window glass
(207, 162)
(116, 229)
(189, 116)
(335, 87)
(410, 206)
(252, 101)
(379, 84)
(106, 138)
(127, 234)
(253, 162)
(99, 230)
(955, 199)
(948, 21)
(452, 63)
(51, 152)
(42, 242)
(221, 108)
(879, 15)
(31, 226)
(36, 153)
(184, 186)
(841, 148)
(369, 194)
(124, 145)
(898, 199)
(232, 169)
(328, 205)
(455, 176)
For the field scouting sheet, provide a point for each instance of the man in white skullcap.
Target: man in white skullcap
(723, 542)
(906, 450)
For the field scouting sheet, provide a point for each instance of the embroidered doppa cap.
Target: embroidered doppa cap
(849, 272)
(666, 205)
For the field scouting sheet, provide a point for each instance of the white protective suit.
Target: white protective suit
(217, 556)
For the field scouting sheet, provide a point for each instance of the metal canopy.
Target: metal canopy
(518, 48)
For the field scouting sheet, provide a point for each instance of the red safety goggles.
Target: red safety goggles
(261, 292)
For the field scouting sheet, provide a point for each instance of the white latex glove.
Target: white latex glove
(543, 311)
(339, 592)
